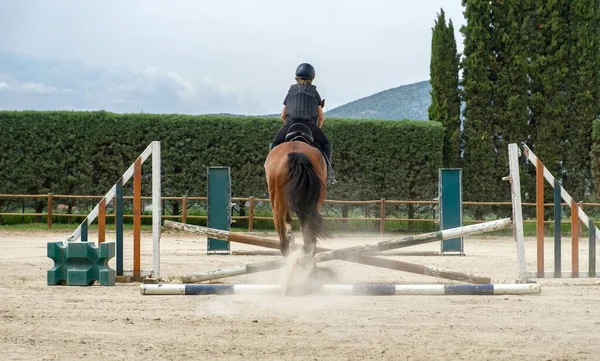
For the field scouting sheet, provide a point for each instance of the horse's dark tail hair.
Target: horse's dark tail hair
(303, 192)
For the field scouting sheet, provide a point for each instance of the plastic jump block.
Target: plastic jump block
(81, 263)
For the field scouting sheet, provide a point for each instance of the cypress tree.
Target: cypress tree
(549, 100)
(445, 100)
(510, 86)
(582, 85)
(479, 150)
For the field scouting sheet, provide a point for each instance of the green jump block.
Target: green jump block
(81, 264)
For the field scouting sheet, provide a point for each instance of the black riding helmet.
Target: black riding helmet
(305, 71)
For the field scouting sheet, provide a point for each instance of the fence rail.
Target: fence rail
(251, 217)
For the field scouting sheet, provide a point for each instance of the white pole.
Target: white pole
(515, 181)
(156, 207)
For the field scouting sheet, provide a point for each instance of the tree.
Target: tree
(445, 99)
(510, 85)
(582, 84)
(479, 149)
(548, 70)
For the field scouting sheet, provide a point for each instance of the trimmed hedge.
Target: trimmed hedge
(595, 159)
(66, 152)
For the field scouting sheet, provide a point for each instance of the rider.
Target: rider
(303, 104)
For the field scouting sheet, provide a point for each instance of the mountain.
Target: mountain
(404, 102)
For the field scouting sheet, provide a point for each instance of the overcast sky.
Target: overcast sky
(201, 56)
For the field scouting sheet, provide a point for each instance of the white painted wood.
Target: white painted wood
(337, 289)
(515, 181)
(156, 207)
(129, 172)
(112, 192)
(143, 273)
(517, 289)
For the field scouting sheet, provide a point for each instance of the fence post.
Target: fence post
(184, 209)
(382, 217)
(49, 210)
(251, 214)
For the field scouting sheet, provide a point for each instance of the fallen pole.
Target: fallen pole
(348, 254)
(342, 289)
(361, 259)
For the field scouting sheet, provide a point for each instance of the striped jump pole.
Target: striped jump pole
(361, 259)
(342, 289)
(577, 215)
(351, 253)
(116, 193)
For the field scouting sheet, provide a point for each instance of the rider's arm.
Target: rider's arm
(283, 113)
(320, 116)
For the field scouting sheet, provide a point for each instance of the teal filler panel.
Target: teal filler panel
(451, 205)
(219, 206)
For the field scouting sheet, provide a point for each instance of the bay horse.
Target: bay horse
(296, 176)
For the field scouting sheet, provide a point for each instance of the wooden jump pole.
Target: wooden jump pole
(352, 253)
(361, 259)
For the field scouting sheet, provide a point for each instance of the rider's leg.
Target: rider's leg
(323, 143)
(280, 136)
(327, 150)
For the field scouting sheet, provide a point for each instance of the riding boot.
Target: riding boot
(330, 172)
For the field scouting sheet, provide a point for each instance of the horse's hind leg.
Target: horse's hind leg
(288, 228)
(282, 221)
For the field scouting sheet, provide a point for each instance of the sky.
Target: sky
(201, 56)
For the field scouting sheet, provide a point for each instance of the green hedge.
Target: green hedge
(595, 158)
(66, 152)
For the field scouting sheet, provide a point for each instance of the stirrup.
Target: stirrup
(331, 178)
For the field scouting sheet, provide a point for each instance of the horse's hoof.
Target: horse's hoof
(290, 239)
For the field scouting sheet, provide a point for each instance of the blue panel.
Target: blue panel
(219, 206)
(469, 289)
(450, 194)
(209, 289)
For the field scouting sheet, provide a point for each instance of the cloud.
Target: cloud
(39, 88)
(39, 83)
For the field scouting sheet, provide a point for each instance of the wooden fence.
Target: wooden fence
(251, 201)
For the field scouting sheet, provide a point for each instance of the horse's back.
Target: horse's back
(277, 160)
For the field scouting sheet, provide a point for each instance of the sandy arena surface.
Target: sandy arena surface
(40, 322)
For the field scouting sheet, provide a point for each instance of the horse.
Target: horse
(296, 175)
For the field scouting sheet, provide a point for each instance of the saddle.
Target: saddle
(300, 132)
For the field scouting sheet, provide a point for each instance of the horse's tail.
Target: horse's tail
(303, 192)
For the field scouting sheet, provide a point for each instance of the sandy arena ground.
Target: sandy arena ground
(40, 322)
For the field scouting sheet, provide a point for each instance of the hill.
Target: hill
(404, 102)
